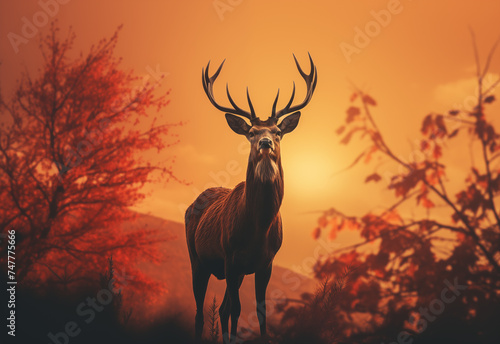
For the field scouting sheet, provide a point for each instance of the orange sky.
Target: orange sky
(419, 61)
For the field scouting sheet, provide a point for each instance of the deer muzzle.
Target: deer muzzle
(266, 145)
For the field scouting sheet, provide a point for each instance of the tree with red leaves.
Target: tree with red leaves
(434, 278)
(70, 165)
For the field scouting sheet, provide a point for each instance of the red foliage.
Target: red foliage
(69, 166)
(413, 256)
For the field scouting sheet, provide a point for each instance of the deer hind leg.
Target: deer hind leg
(231, 306)
(200, 283)
(225, 312)
(261, 280)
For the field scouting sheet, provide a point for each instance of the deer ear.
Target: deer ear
(289, 123)
(237, 124)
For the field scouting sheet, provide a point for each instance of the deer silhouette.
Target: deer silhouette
(236, 232)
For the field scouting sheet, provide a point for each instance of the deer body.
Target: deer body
(236, 232)
(246, 246)
(248, 226)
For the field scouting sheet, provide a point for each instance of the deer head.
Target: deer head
(264, 136)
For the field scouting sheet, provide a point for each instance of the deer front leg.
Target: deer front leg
(233, 283)
(261, 280)
(200, 283)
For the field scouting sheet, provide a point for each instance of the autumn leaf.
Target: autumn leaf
(490, 133)
(440, 126)
(350, 224)
(352, 112)
(316, 233)
(453, 133)
(402, 184)
(322, 221)
(489, 99)
(411, 270)
(461, 237)
(349, 257)
(426, 225)
(370, 153)
(369, 100)
(340, 130)
(373, 177)
(427, 123)
(493, 146)
(470, 199)
(427, 203)
(437, 152)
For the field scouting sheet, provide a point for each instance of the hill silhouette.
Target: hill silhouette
(169, 318)
(175, 272)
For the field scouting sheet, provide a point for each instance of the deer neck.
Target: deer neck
(263, 193)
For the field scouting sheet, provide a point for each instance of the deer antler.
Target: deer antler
(310, 79)
(208, 83)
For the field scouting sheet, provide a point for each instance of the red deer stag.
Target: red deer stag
(233, 233)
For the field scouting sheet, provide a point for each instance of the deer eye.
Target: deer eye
(278, 133)
(251, 134)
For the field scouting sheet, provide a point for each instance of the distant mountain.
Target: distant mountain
(176, 273)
